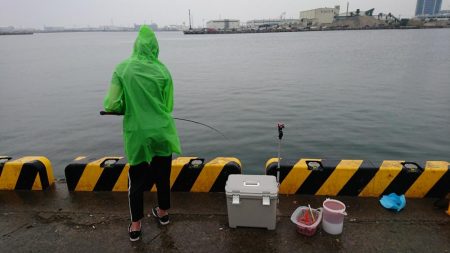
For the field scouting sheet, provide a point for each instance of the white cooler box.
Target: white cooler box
(252, 201)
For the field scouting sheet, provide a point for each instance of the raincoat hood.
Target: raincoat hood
(146, 46)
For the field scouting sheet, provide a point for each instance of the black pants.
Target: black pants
(141, 178)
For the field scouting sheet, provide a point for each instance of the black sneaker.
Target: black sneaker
(162, 220)
(134, 235)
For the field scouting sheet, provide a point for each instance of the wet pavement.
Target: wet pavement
(91, 221)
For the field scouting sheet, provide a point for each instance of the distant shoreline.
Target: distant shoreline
(16, 33)
(200, 31)
(76, 31)
(205, 31)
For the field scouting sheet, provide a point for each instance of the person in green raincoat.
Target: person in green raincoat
(142, 90)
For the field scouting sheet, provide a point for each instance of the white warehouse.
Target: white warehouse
(321, 15)
(223, 24)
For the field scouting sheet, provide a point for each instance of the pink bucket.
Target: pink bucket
(333, 216)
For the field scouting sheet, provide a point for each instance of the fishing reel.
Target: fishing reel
(280, 130)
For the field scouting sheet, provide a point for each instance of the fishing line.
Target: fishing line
(181, 119)
(199, 123)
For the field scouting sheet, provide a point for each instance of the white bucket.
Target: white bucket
(333, 216)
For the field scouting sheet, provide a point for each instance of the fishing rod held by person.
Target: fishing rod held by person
(188, 120)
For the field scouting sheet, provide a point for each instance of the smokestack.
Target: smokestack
(347, 10)
(190, 27)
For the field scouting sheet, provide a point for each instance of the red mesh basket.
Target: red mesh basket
(305, 224)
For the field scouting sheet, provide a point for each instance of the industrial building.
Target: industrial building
(223, 24)
(270, 23)
(7, 29)
(153, 26)
(53, 28)
(358, 12)
(320, 16)
(428, 7)
(442, 15)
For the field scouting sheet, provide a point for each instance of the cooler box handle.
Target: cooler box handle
(251, 183)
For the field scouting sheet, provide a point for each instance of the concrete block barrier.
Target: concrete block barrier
(362, 178)
(104, 174)
(189, 174)
(26, 173)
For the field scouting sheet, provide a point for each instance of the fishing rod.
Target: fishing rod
(181, 119)
(280, 136)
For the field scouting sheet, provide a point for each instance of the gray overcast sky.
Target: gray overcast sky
(37, 13)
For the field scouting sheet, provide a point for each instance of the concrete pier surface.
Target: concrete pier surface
(59, 221)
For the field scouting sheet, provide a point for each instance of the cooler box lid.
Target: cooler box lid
(251, 185)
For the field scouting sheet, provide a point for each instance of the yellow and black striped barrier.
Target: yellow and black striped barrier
(26, 173)
(362, 178)
(189, 174)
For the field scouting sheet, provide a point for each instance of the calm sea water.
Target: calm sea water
(372, 95)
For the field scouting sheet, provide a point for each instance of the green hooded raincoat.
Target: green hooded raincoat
(142, 89)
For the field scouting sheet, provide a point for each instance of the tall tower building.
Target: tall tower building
(428, 7)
